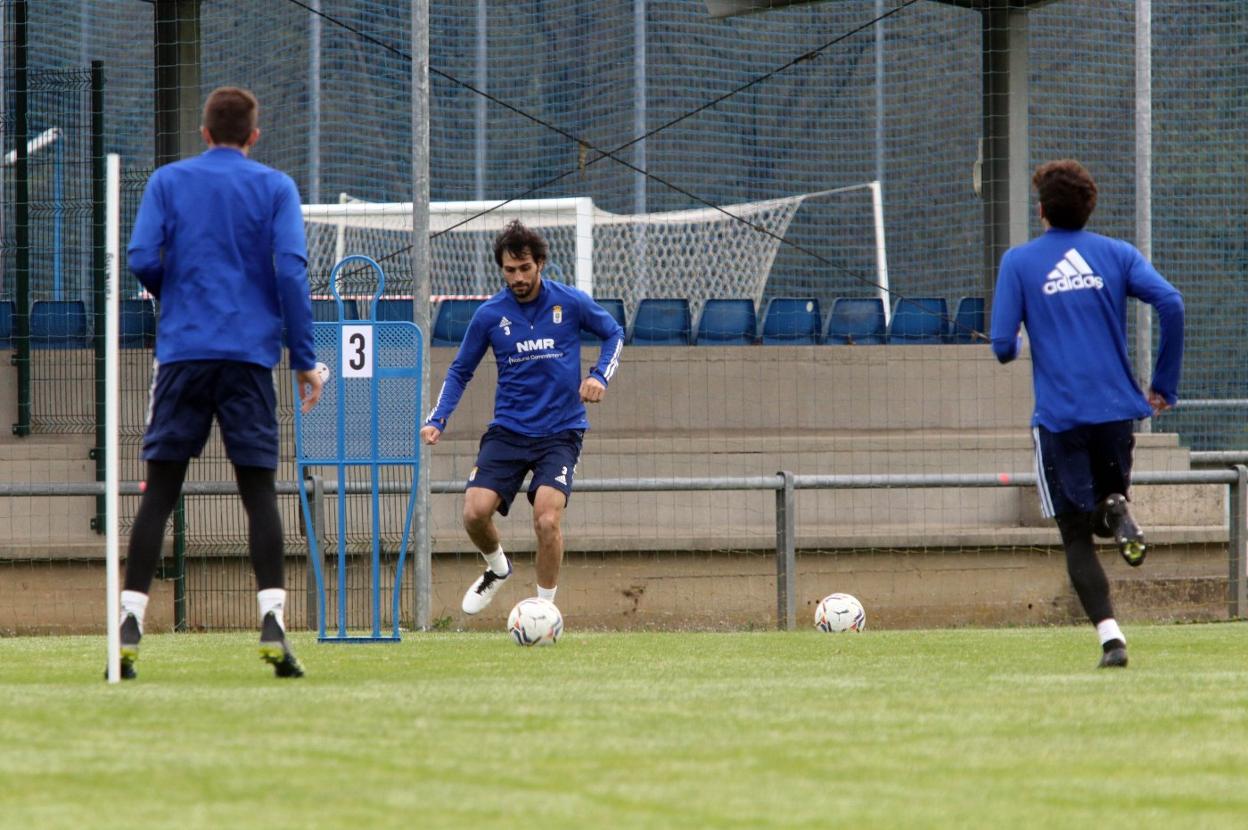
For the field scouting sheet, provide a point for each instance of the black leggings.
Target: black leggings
(257, 488)
(1085, 570)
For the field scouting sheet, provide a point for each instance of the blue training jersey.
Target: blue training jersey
(219, 241)
(1070, 289)
(537, 346)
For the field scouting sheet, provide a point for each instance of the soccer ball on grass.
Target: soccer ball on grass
(840, 612)
(535, 622)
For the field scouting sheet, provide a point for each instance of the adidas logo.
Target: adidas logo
(562, 479)
(1071, 273)
(505, 325)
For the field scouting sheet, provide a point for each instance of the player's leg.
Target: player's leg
(179, 417)
(246, 407)
(1064, 479)
(554, 470)
(548, 506)
(160, 495)
(1111, 471)
(502, 461)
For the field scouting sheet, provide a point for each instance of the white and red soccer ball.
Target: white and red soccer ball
(836, 613)
(535, 622)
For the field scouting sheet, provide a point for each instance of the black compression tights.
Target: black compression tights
(1085, 570)
(164, 484)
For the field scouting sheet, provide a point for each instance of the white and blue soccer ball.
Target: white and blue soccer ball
(535, 622)
(840, 612)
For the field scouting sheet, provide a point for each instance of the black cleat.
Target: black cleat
(130, 636)
(274, 649)
(1114, 516)
(1115, 656)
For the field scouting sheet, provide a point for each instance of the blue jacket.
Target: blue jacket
(219, 241)
(1070, 289)
(537, 346)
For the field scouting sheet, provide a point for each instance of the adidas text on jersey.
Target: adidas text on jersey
(1071, 274)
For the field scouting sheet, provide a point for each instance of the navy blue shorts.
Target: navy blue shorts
(1077, 468)
(505, 457)
(187, 395)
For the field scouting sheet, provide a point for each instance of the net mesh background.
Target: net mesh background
(899, 102)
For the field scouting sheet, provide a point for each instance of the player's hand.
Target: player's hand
(592, 390)
(1157, 402)
(310, 385)
(430, 434)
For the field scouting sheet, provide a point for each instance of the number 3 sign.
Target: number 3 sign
(357, 352)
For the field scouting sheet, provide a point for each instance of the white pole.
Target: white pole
(112, 304)
(881, 249)
(585, 244)
(1144, 183)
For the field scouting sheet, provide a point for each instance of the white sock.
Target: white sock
(272, 599)
(547, 593)
(497, 561)
(1109, 630)
(133, 602)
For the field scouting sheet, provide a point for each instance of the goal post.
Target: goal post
(697, 254)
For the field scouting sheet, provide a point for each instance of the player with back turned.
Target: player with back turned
(1069, 287)
(219, 241)
(534, 328)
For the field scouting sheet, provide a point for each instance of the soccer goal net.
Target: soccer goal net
(725, 251)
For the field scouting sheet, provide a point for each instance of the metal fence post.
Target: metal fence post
(1237, 545)
(786, 560)
(179, 566)
(316, 510)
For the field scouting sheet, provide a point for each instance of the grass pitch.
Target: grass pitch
(967, 728)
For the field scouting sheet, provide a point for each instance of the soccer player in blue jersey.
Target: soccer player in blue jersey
(534, 328)
(219, 241)
(1069, 287)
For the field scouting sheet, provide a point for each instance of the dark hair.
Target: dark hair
(230, 114)
(518, 240)
(1067, 193)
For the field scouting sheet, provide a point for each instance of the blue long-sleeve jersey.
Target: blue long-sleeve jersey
(537, 346)
(1070, 289)
(219, 241)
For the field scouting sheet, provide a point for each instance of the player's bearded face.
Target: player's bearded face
(522, 274)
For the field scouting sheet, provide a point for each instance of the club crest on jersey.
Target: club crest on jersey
(557, 317)
(505, 325)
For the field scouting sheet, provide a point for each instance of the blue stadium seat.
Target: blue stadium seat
(326, 311)
(661, 322)
(968, 318)
(450, 321)
(613, 307)
(137, 324)
(394, 309)
(856, 320)
(727, 322)
(6, 324)
(918, 320)
(58, 324)
(792, 321)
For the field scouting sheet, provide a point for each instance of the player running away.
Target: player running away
(1069, 287)
(534, 327)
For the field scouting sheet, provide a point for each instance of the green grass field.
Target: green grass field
(967, 728)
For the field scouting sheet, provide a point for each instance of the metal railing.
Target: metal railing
(784, 484)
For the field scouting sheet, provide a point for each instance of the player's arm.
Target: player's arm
(145, 252)
(1144, 283)
(290, 264)
(462, 368)
(1007, 313)
(594, 318)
